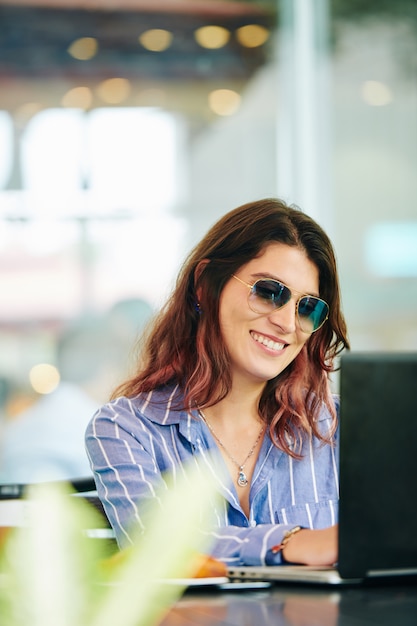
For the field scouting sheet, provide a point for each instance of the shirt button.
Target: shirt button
(252, 523)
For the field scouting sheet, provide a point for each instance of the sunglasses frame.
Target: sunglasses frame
(292, 292)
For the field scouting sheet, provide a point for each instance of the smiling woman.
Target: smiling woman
(256, 331)
(234, 377)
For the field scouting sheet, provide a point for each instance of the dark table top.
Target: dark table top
(385, 604)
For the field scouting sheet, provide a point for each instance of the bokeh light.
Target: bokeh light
(212, 37)
(78, 98)
(44, 378)
(252, 35)
(224, 101)
(84, 48)
(114, 90)
(156, 39)
(375, 93)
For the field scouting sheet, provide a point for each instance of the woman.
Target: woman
(235, 371)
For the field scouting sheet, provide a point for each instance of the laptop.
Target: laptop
(378, 476)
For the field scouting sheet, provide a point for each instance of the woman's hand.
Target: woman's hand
(312, 547)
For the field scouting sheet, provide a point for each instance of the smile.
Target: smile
(269, 343)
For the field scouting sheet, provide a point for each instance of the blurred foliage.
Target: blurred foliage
(360, 9)
(390, 13)
(355, 9)
(53, 573)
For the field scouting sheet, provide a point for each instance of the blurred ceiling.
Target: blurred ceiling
(35, 36)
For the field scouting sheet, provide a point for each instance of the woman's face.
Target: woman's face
(262, 346)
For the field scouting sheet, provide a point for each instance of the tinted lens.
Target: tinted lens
(267, 295)
(312, 313)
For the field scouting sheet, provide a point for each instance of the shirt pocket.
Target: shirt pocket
(312, 515)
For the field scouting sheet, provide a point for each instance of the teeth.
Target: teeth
(272, 345)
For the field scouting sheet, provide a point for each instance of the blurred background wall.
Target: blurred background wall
(127, 128)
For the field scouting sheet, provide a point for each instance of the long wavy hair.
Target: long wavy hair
(185, 346)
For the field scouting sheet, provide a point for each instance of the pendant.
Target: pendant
(242, 481)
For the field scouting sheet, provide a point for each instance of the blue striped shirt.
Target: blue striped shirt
(133, 442)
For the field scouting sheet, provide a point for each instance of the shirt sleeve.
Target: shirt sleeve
(249, 546)
(128, 476)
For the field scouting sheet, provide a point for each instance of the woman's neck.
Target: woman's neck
(238, 431)
(239, 407)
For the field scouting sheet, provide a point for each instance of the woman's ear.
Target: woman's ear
(197, 273)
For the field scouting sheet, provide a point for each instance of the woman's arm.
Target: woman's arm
(312, 547)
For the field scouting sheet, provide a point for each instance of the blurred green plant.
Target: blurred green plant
(53, 573)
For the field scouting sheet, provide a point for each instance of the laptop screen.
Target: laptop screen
(378, 463)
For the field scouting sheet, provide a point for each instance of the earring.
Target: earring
(197, 307)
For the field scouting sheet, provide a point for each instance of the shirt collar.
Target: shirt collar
(165, 406)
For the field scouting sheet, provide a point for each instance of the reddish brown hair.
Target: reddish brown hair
(185, 346)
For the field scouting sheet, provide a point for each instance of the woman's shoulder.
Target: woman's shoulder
(336, 400)
(329, 410)
(159, 405)
(327, 420)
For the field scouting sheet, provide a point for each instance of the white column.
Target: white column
(303, 137)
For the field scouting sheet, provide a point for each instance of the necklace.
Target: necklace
(242, 480)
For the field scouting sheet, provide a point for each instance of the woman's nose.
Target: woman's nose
(285, 317)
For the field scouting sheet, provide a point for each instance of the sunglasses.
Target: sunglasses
(266, 295)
